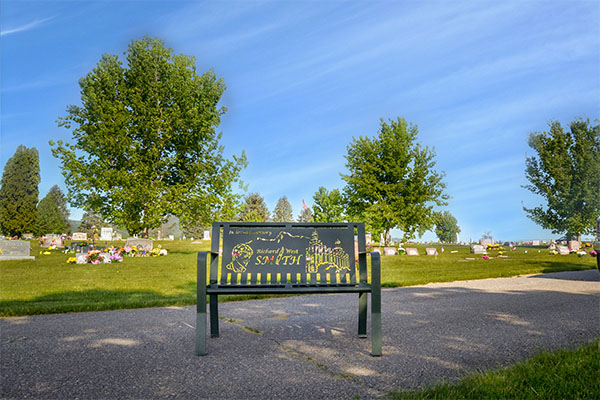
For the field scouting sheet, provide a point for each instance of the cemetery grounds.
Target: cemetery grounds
(49, 285)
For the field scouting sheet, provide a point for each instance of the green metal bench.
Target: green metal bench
(288, 258)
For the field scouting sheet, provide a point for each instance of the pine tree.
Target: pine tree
(283, 210)
(19, 192)
(254, 209)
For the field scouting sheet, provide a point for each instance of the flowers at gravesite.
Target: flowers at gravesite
(71, 260)
(485, 257)
(114, 255)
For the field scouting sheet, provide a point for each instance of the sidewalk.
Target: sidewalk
(299, 347)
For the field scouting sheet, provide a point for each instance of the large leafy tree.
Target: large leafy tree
(328, 205)
(53, 214)
(91, 223)
(392, 182)
(145, 140)
(566, 172)
(446, 227)
(283, 210)
(254, 209)
(19, 192)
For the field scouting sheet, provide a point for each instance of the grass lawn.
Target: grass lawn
(50, 285)
(562, 374)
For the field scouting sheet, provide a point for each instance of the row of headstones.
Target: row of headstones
(21, 249)
(410, 251)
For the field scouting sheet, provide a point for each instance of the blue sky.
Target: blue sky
(305, 77)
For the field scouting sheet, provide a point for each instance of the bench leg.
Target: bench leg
(201, 305)
(214, 315)
(375, 305)
(362, 315)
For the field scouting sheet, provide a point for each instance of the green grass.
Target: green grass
(50, 285)
(562, 374)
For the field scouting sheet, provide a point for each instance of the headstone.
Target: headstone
(28, 236)
(15, 250)
(535, 243)
(478, 249)
(367, 238)
(140, 244)
(411, 251)
(552, 246)
(574, 245)
(377, 250)
(562, 250)
(485, 242)
(381, 240)
(106, 234)
(52, 241)
(81, 258)
(390, 251)
(457, 239)
(171, 237)
(79, 236)
(206, 235)
(431, 251)
(118, 236)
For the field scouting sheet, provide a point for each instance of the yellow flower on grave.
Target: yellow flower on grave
(47, 252)
(0, 251)
(71, 260)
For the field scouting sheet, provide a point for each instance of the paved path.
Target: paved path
(299, 347)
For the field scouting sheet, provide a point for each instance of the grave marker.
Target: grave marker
(140, 244)
(15, 250)
(390, 251)
(431, 251)
(478, 249)
(562, 250)
(106, 233)
(79, 236)
(411, 251)
(206, 235)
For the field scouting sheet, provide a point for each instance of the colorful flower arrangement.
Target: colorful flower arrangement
(115, 254)
(485, 257)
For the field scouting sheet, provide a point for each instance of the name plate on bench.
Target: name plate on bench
(288, 254)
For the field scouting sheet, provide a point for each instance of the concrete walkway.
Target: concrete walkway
(299, 347)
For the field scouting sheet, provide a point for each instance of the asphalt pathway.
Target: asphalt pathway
(299, 347)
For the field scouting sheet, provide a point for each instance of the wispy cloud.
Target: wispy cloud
(26, 27)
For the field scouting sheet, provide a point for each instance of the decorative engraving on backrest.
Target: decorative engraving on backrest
(287, 254)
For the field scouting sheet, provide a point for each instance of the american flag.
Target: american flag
(304, 205)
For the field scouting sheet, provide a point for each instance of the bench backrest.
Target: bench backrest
(287, 253)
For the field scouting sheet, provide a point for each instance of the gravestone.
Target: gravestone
(140, 244)
(81, 258)
(79, 236)
(106, 233)
(478, 249)
(53, 240)
(206, 235)
(411, 251)
(485, 242)
(431, 251)
(390, 251)
(15, 250)
(535, 243)
(377, 250)
(574, 245)
(118, 236)
(368, 239)
(562, 250)
(28, 236)
(171, 237)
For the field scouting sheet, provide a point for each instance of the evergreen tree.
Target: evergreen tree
(50, 219)
(566, 172)
(306, 215)
(392, 182)
(91, 223)
(19, 192)
(283, 211)
(254, 209)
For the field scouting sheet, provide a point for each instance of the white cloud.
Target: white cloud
(27, 27)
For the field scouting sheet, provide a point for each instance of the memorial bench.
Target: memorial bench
(287, 258)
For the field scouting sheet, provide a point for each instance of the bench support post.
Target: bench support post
(376, 304)
(362, 315)
(201, 305)
(214, 315)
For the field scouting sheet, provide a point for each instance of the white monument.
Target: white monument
(106, 233)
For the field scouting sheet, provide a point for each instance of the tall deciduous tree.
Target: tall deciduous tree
(392, 182)
(328, 206)
(566, 172)
(283, 210)
(254, 209)
(145, 140)
(19, 192)
(446, 227)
